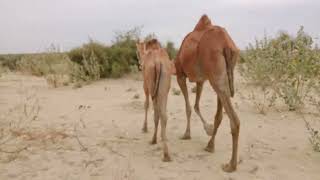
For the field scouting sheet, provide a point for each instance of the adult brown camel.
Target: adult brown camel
(157, 70)
(209, 53)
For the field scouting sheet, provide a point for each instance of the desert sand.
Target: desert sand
(94, 132)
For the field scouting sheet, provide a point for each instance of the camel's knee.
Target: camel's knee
(235, 127)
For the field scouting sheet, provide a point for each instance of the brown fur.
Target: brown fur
(157, 70)
(209, 53)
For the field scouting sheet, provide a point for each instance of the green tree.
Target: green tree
(172, 51)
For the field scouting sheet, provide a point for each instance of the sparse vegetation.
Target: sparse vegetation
(314, 136)
(89, 69)
(9, 60)
(43, 64)
(18, 132)
(287, 66)
(57, 80)
(176, 92)
(113, 61)
(82, 65)
(262, 100)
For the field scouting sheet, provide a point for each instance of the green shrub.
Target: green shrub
(172, 51)
(10, 61)
(289, 65)
(88, 70)
(115, 60)
(78, 55)
(123, 50)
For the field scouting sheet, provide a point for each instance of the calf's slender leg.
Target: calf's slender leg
(156, 121)
(164, 118)
(146, 108)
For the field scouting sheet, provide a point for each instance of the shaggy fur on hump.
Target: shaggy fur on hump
(203, 23)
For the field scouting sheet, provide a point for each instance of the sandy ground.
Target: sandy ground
(108, 142)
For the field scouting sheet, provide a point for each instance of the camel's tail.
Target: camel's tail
(158, 69)
(231, 59)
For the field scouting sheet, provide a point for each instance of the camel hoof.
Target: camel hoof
(209, 149)
(153, 142)
(209, 129)
(186, 137)
(228, 168)
(166, 158)
(144, 129)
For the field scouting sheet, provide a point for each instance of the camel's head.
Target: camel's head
(143, 48)
(153, 44)
(141, 51)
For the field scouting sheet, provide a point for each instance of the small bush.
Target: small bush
(314, 136)
(81, 54)
(57, 80)
(263, 100)
(88, 71)
(176, 92)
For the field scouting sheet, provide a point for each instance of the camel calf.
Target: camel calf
(157, 69)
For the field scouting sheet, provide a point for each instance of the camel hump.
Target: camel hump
(203, 24)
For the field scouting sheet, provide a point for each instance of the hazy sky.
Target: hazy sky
(32, 25)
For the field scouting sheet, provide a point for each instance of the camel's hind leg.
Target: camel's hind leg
(163, 116)
(220, 88)
(183, 86)
(156, 121)
(217, 122)
(196, 105)
(215, 67)
(146, 108)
